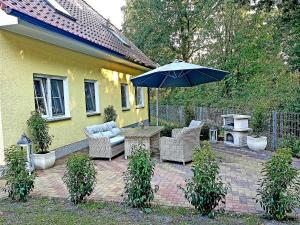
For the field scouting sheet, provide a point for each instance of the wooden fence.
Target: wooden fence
(279, 125)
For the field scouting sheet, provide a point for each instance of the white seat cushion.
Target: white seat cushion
(116, 131)
(195, 123)
(116, 140)
(108, 134)
(96, 135)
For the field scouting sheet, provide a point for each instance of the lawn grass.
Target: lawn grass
(58, 211)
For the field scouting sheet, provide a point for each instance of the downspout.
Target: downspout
(149, 112)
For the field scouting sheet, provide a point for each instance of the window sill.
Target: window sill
(62, 118)
(125, 109)
(140, 107)
(93, 114)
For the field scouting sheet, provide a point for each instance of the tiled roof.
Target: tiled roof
(86, 23)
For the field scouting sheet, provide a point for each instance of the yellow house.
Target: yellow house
(63, 58)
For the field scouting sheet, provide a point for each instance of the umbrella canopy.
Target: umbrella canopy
(178, 74)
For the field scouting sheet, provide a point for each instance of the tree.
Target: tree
(230, 35)
(166, 30)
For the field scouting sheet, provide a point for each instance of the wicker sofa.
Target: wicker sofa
(180, 146)
(104, 139)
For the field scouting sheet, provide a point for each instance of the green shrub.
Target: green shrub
(206, 189)
(39, 131)
(205, 132)
(79, 177)
(279, 191)
(110, 114)
(258, 121)
(19, 181)
(168, 127)
(292, 143)
(137, 178)
(189, 113)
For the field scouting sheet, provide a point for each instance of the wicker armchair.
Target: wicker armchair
(101, 146)
(180, 146)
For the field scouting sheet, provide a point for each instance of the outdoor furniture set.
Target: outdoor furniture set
(107, 140)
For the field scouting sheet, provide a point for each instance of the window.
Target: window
(50, 94)
(91, 96)
(139, 97)
(119, 37)
(124, 96)
(58, 8)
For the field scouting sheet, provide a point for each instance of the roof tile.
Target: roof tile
(86, 23)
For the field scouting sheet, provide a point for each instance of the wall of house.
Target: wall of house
(22, 57)
(1, 141)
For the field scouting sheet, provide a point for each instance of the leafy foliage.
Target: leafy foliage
(279, 191)
(110, 114)
(19, 182)
(258, 121)
(137, 178)
(293, 143)
(79, 177)
(189, 113)
(39, 131)
(206, 189)
(168, 127)
(229, 35)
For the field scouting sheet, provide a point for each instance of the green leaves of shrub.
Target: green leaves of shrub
(279, 191)
(19, 182)
(39, 131)
(110, 114)
(137, 178)
(206, 189)
(258, 121)
(293, 143)
(79, 177)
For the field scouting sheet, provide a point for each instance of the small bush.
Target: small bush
(19, 182)
(137, 178)
(168, 127)
(292, 143)
(279, 191)
(189, 113)
(206, 189)
(39, 131)
(258, 121)
(79, 177)
(110, 114)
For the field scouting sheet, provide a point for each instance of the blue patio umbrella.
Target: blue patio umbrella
(178, 74)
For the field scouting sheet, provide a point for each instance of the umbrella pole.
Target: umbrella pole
(156, 106)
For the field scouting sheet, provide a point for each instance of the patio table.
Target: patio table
(148, 136)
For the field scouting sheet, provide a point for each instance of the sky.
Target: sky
(110, 9)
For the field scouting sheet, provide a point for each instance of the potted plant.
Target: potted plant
(256, 141)
(110, 114)
(39, 130)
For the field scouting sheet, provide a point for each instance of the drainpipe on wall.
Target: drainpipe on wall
(148, 92)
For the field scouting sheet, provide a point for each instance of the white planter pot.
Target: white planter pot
(257, 144)
(44, 161)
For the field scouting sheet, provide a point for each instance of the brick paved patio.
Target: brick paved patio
(239, 167)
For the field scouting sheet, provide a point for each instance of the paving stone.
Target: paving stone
(239, 167)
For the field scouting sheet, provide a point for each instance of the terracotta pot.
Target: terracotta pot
(44, 161)
(257, 143)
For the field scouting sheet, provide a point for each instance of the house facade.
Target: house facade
(64, 59)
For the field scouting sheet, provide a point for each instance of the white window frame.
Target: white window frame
(127, 97)
(97, 96)
(58, 7)
(139, 90)
(48, 104)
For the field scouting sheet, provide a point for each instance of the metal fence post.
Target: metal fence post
(181, 115)
(274, 133)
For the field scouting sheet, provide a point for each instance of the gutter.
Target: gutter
(59, 31)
